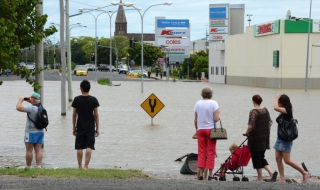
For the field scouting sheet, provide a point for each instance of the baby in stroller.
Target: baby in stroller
(232, 162)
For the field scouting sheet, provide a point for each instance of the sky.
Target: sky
(196, 11)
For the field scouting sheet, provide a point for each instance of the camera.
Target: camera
(25, 98)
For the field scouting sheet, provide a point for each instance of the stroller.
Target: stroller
(234, 163)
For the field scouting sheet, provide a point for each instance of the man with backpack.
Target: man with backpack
(33, 137)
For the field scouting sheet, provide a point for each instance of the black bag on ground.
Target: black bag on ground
(42, 120)
(287, 131)
(190, 165)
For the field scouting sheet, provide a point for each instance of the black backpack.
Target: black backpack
(42, 120)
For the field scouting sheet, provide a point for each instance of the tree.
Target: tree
(150, 54)
(198, 63)
(20, 27)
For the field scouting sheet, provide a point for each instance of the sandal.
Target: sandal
(274, 177)
(200, 178)
(211, 178)
(307, 178)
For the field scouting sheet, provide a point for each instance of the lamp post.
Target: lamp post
(307, 62)
(249, 20)
(96, 43)
(142, 15)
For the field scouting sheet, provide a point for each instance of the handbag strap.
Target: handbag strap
(215, 127)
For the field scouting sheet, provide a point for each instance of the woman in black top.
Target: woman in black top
(258, 133)
(283, 105)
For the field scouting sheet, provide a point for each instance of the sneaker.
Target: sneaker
(220, 174)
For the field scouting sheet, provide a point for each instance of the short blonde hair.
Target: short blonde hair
(233, 146)
(207, 92)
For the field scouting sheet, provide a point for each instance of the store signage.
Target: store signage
(173, 42)
(218, 23)
(216, 30)
(170, 50)
(217, 37)
(218, 12)
(161, 60)
(173, 32)
(267, 28)
(173, 23)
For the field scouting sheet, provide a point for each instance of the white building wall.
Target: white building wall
(249, 59)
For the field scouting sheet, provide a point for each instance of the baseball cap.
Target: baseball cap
(36, 95)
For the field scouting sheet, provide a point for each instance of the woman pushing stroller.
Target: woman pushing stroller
(258, 133)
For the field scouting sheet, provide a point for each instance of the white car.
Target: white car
(136, 72)
(30, 65)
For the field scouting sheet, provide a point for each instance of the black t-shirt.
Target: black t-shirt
(85, 115)
(287, 116)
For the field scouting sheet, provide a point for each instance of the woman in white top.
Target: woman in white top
(206, 115)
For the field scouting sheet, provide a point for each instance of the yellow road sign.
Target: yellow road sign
(152, 105)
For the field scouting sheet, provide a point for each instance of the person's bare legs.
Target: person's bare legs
(38, 150)
(199, 172)
(88, 157)
(268, 168)
(29, 155)
(259, 172)
(79, 156)
(280, 166)
(205, 174)
(288, 161)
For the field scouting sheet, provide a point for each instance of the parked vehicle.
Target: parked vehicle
(136, 72)
(78, 66)
(123, 69)
(103, 68)
(30, 65)
(81, 71)
(91, 67)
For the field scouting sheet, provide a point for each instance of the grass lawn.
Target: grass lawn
(73, 173)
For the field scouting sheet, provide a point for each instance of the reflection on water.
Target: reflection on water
(129, 140)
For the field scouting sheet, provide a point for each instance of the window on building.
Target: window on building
(212, 70)
(217, 70)
(222, 70)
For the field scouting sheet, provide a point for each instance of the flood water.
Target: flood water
(128, 140)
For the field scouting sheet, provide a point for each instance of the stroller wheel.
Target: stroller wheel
(236, 179)
(245, 178)
(222, 179)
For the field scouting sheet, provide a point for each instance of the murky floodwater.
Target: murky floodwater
(128, 140)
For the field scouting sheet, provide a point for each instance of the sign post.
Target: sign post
(152, 105)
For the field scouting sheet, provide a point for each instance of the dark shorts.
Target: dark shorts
(258, 160)
(85, 140)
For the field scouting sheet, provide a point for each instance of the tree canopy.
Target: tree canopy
(20, 28)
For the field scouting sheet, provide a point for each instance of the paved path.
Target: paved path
(49, 183)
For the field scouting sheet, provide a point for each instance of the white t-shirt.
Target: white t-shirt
(205, 110)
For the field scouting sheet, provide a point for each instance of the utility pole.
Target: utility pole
(249, 15)
(70, 95)
(39, 56)
(63, 61)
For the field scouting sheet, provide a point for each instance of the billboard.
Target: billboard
(218, 23)
(172, 32)
(267, 28)
(175, 42)
(217, 30)
(173, 23)
(217, 37)
(218, 12)
(299, 26)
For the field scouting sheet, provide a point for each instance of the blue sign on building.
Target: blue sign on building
(172, 23)
(218, 12)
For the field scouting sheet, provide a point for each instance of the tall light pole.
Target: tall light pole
(249, 20)
(96, 42)
(307, 62)
(142, 15)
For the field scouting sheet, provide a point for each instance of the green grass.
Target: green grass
(74, 173)
(104, 81)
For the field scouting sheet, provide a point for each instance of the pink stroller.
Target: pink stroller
(234, 163)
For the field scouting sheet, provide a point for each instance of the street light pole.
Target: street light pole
(142, 15)
(307, 62)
